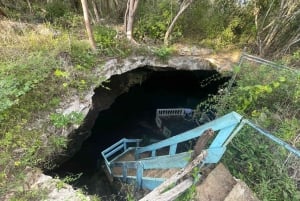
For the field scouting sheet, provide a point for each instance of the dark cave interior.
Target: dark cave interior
(132, 115)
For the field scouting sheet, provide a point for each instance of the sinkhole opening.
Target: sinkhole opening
(135, 96)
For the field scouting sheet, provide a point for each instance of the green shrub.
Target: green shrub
(82, 56)
(55, 9)
(218, 24)
(261, 164)
(21, 77)
(61, 120)
(163, 52)
(154, 24)
(105, 37)
(109, 43)
(268, 96)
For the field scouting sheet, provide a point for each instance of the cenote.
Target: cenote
(132, 115)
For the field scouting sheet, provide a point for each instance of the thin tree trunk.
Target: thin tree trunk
(96, 12)
(2, 13)
(88, 25)
(29, 5)
(126, 16)
(129, 18)
(91, 17)
(275, 33)
(184, 5)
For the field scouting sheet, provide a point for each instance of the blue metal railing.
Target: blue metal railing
(227, 126)
(114, 150)
(273, 138)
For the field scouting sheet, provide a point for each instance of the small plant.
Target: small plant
(95, 198)
(169, 187)
(82, 57)
(32, 195)
(60, 73)
(163, 52)
(130, 197)
(62, 120)
(81, 195)
(66, 180)
(105, 37)
(59, 184)
(109, 43)
(188, 195)
(58, 142)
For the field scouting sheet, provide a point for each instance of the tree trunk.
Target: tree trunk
(129, 18)
(88, 25)
(96, 12)
(2, 13)
(277, 33)
(184, 5)
(29, 5)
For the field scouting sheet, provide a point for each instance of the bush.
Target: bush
(55, 9)
(105, 37)
(217, 24)
(268, 96)
(155, 24)
(163, 52)
(82, 56)
(109, 43)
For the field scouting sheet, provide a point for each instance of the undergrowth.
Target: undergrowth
(270, 97)
(39, 68)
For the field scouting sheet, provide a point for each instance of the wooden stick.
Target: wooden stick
(157, 192)
(202, 141)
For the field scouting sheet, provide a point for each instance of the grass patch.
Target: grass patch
(37, 72)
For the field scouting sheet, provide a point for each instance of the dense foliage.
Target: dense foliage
(269, 96)
(38, 70)
(47, 59)
(153, 25)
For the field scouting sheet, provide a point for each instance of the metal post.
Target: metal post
(124, 172)
(172, 150)
(139, 174)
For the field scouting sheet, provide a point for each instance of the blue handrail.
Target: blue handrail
(227, 121)
(121, 145)
(227, 126)
(273, 138)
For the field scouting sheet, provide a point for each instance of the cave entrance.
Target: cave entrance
(132, 115)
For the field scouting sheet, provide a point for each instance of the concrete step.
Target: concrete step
(220, 185)
(216, 185)
(241, 192)
(160, 173)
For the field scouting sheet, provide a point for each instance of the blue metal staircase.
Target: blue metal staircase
(129, 162)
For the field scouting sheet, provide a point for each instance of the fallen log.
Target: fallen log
(163, 191)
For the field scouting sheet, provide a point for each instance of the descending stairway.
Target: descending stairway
(172, 121)
(150, 166)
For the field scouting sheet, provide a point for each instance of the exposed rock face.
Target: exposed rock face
(91, 104)
(49, 189)
(114, 67)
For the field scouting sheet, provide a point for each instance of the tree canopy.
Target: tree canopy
(267, 27)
